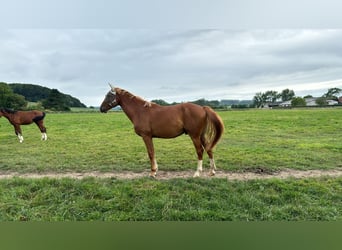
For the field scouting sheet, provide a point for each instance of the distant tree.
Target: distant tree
(214, 104)
(73, 102)
(321, 101)
(32, 93)
(16, 102)
(204, 102)
(5, 91)
(308, 96)
(10, 100)
(240, 106)
(259, 100)
(272, 96)
(56, 101)
(201, 102)
(332, 93)
(298, 101)
(161, 102)
(36, 93)
(287, 95)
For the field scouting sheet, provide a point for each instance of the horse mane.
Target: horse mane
(134, 97)
(6, 110)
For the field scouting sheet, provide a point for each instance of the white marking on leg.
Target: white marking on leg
(212, 167)
(21, 138)
(44, 136)
(154, 167)
(199, 168)
(155, 164)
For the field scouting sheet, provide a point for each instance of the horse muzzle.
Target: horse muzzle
(103, 110)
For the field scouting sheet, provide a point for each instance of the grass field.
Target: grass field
(269, 139)
(172, 200)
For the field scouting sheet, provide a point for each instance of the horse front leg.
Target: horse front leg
(150, 150)
(17, 131)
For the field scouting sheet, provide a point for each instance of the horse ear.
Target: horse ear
(112, 89)
(111, 86)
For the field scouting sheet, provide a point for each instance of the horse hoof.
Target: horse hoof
(153, 174)
(197, 174)
(212, 173)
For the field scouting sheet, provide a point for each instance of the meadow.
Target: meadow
(80, 142)
(268, 139)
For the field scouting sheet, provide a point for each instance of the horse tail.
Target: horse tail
(213, 129)
(39, 117)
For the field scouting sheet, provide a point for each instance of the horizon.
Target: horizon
(202, 98)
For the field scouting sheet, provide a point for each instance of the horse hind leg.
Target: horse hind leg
(209, 150)
(212, 169)
(44, 136)
(42, 130)
(199, 151)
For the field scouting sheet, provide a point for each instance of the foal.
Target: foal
(17, 118)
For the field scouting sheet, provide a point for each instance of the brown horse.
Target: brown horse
(17, 118)
(150, 120)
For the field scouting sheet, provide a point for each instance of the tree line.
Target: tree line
(17, 96)
(202, 102)
(262, 98)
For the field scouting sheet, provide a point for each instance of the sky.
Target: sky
(171, 61)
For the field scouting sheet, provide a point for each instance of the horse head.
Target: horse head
(111, 100)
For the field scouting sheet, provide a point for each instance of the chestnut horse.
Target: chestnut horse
(17, 118)
(151, 120)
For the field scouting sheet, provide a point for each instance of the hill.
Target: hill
(37, 93)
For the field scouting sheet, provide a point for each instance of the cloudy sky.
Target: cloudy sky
(174, 64)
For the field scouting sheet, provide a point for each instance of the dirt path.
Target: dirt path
(165, 175)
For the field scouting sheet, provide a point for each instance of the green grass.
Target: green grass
(271, 139)
(268, 139)
(300, 139)
(176, 199)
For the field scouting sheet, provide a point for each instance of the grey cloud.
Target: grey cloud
(176, 65)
